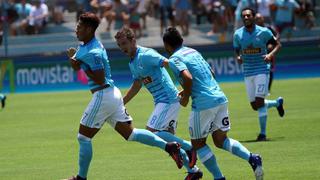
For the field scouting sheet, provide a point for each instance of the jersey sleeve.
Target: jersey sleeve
(236, 42)
(176, 65)
(153, 59)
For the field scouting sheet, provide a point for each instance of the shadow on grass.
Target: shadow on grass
(268, 139)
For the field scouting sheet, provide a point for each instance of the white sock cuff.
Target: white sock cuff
(131, 137)
(231, 143)
(206, 157)
(83, 137)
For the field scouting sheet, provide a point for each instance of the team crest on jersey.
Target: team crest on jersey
(251, 50)
(146, 80)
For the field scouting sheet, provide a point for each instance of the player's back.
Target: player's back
(206, 92)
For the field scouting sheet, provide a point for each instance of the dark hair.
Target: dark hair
(125, 32)
(172, 37)
(250, 9)
(90, 19)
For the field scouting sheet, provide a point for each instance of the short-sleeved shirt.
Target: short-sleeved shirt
(94, 57)
(206, 92)
(253, 48)
(147, 66)
(285, 10)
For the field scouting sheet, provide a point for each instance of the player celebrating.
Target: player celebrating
(209, 114)
(250, 43)
(146, 66)
(106, 104)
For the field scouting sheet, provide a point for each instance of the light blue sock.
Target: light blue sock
(263, 119)
(85, 155)
(146, 137)
(209, 161)
(186, 145)
(271, 103)
(186, 162)
(236, 148)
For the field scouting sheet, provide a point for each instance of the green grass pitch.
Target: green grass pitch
(38, 137)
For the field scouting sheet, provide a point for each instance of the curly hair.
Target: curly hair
(125, 32)
(172, 37)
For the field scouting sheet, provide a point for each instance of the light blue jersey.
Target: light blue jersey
(147, 65)
(253, 48)
(206, 92)
(94, 57)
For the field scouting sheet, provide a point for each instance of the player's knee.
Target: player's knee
(218, 138)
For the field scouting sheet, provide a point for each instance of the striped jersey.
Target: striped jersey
(206, 92)
(147, 66)
(253, 48)
(94, 57)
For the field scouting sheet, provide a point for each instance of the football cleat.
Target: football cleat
(261, 137)
(280, 107)
(173, 148)
(223, 178)
(194, 175)
(75, 178)
(256, 164)
(192, 155)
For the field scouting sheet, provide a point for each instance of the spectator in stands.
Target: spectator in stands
(38, 17)
(142, 10)
(58, 9)
(101, 7)
(166, 12)
(218, 19)
(285, 15)
(306, 13)
(135, 17)
(19, 26)
(231, 6)
(82, 7)
(264, 10)
(261, 22)
(119, 14)
(199, 10)
(183, 7)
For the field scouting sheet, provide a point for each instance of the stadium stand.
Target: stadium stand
(56, 38)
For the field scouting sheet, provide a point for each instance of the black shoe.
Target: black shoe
(192, 155)
(261, 137)
(255, 161)
(3, 101)
(280, 107)
(173, 148)
(194, 176)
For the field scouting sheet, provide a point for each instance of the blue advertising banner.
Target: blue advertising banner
(53, 72)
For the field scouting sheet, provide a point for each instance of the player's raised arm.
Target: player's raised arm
(74, 63)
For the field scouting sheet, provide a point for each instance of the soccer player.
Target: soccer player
(209, 114)
(250, 44)
(146, 66)
(3, 100)
(106, 104)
